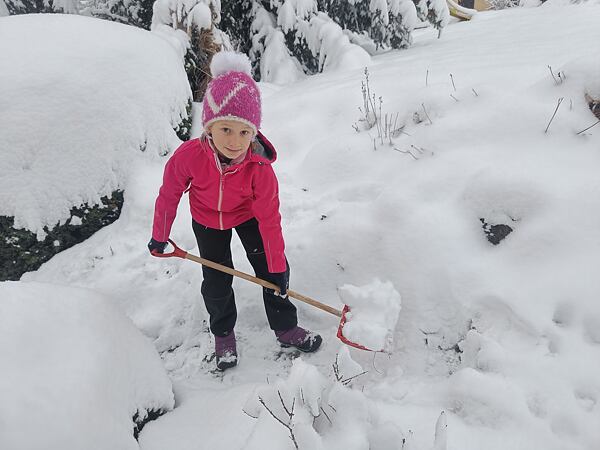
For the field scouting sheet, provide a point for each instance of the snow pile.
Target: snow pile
(374, 310)
(75, 370)
(307, 410)
(83, 98)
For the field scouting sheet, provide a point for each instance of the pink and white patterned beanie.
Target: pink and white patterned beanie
(232, 94)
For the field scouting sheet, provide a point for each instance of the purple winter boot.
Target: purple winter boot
(226, 351)
(304, 340)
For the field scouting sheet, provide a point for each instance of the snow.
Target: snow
(502, 339)
(68, 83)
(75, 370)
(373, 314)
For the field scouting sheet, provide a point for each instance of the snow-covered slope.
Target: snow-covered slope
(504, 338)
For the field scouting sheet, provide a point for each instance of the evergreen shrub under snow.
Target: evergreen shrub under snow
(84, 97)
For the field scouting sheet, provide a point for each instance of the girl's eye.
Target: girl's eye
(225, 130)
(245, 133)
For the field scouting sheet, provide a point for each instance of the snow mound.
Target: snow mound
(74, 369)
(83, 97)
(373, 314)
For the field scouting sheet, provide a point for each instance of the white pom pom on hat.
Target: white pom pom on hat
(232, 94)
(227, 61)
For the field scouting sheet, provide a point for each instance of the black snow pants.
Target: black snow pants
(219, 298)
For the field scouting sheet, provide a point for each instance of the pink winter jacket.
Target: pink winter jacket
(224, 198)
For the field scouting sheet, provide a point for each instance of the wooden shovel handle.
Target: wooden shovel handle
(236, 273)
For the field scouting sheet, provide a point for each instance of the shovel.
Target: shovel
(179, 253)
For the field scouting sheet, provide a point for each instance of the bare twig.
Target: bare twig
(427, 115)
(284, 406)
(593, 125)
(419, 149)
(408, 152)
(552, 73)
(248, 414)
(475, 92)
(376, 370)
(454, 98)
(427, 78)
(326, 415)
(349, 379)
(273, 414)
(379, 121)
(453, 85)
(289, 427)
(395, 121)
(336, 368)
(555, 111)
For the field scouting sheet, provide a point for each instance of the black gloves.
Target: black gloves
(282, 279)
(156, 247)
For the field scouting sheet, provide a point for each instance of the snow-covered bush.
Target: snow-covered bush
(269, 53)
(309, 411)
(14, 7)
(373, 116)
(503, 4)
(315, 35)
(433, 11)
(388, 23)
(76, 373)
(132, 12)
(80, 111)
(193, 24)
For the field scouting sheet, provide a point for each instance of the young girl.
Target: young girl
(231, 184)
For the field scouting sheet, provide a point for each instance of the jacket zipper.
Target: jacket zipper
(222, 182)
(221, 189)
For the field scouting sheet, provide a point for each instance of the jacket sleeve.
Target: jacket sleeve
(175, 181)
(266, 210)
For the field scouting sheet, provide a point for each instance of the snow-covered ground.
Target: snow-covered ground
(504, 339)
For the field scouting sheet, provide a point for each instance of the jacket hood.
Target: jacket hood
(262, 150)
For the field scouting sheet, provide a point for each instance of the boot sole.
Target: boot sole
(317, 345)
(226, 365)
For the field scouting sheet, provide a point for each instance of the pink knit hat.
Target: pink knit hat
(232, 94)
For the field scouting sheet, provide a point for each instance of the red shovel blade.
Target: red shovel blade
(347, 341)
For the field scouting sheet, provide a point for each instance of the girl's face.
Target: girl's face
(230, 137)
